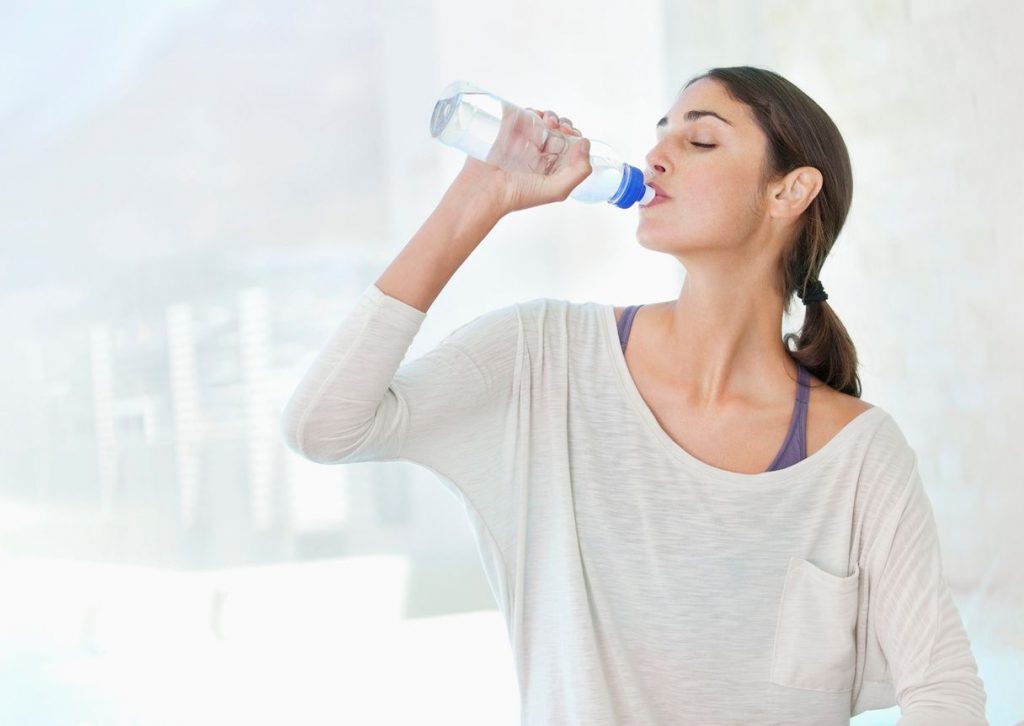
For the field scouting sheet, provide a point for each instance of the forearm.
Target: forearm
(460, 222)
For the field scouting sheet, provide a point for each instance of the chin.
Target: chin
(660, 242)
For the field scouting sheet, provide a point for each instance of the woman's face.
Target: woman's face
(710, 168)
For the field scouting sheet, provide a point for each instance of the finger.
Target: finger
(584, 148)
(565, 123)
(551, 116)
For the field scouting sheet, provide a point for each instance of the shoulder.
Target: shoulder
(522, 317)
(490, 329)
(837, 408)
(556, 307)
(660, 306)
(514, 311)
(888, 475)
(620, 310)
(888, 455)
(829, 412)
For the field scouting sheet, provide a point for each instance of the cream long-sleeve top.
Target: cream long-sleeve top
(639, 585)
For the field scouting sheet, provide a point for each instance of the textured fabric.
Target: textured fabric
(639, 584)
(794, 446)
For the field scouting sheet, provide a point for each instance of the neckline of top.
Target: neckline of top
(819, 458)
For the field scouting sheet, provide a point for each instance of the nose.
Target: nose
(658, 170)
(653, 167)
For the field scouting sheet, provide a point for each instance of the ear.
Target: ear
(794, 192)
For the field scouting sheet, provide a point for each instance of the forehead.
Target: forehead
(709, 95)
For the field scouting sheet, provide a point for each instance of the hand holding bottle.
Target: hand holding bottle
(522, 158)
(526, 166)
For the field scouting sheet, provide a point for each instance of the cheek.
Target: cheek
(714, 192)
(722, 190)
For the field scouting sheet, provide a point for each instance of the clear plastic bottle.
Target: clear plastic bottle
(470, 119)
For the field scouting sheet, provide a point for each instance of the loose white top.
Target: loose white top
(639, 584)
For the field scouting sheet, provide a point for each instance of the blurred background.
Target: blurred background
(194, 192)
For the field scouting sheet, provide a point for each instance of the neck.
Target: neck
(721, 341)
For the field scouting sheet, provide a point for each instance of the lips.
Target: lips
(659, 196)
(656, 200)
(658, 191)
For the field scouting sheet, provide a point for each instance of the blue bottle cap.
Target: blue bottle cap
(631, 190)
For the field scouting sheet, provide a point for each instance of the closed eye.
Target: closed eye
(704, 146)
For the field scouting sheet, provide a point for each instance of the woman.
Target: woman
(702, 526)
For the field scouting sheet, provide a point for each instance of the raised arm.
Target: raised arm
(465, 215)
(480, 196)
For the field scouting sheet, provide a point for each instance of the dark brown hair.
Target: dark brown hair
(799, 134)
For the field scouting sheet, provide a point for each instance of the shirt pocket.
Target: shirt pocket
(814, 645)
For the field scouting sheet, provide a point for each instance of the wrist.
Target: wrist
(485, 193)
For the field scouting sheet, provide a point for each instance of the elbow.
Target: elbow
(296, 440)
(956, 702)
(294, 427)
(329, 440)
(291, 431)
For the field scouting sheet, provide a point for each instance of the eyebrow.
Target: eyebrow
(693, 116)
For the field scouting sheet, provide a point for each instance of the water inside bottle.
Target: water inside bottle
(472, 125)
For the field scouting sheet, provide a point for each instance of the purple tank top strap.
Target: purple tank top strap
(626, 324)
(794, 448)
(803, 391)
(803, 397)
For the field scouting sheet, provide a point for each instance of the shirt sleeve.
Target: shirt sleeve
(919, 627)
(444, 410)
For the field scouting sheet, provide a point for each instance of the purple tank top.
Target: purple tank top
(794, 448)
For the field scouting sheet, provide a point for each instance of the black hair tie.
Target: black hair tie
(814, 293)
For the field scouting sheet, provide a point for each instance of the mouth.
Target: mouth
(657, 200)
(659, 196)
(658, 191)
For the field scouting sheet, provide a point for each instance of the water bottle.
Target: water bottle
(470, 119)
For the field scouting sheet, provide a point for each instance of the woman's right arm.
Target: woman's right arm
(354, 404)
(465, 215)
